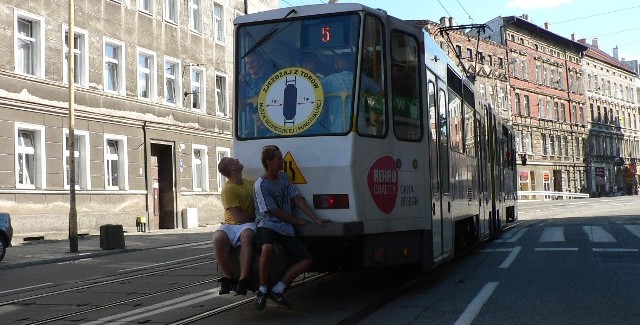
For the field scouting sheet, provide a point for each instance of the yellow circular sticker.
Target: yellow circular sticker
(290, 101)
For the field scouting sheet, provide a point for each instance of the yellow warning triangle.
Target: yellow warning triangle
(291, 168)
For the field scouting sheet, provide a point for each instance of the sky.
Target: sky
(616, 23)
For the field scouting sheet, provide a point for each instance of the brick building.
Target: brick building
(483, 61)
(152, 110)
(548, 103)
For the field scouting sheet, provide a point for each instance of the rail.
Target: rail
(549, 195)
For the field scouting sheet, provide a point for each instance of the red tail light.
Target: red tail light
(331, 201)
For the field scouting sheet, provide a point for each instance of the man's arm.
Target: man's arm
(239, 215)
(302, 205)
(287, 218)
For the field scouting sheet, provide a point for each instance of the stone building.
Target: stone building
(548, 107)
(152, 110)
(613, 136)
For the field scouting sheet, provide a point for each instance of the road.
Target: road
(564, 262)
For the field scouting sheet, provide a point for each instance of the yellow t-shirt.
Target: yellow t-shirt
(234, 195)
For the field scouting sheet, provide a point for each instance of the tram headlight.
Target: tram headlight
(331, 201)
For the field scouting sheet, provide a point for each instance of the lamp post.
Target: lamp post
(73, 213)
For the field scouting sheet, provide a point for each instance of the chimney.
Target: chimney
(546, 26)
(573, 37)
(615, 52)
(452, 22)
(444, 21)
(594, 42)
(582, 41)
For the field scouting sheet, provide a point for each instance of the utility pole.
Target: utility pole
(73, 213)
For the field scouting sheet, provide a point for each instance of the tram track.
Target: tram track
(220, 310)
(101, 281)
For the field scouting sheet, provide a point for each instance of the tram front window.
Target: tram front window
(295, 78)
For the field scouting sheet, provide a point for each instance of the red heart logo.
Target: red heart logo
(383, 183)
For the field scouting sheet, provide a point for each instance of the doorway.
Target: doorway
(162, 186)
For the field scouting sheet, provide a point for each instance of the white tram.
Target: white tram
(381, 134)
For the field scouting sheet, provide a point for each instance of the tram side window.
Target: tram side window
(371, 108)
(405, 96)
(469, 131)
(456, 125)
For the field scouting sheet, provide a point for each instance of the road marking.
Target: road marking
(169, 262)
(544, 249)
(615, 249)
(496, 250)
(552, 234)
(158, 308)
(634, 229)
(517, 236)
(597, 234)
(26, 288)
(476, 304)
(512, 256)
(185, 245)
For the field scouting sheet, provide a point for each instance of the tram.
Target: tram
(381, 134)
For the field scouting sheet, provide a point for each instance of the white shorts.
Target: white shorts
(234, 231)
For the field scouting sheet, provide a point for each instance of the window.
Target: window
(501, 63)
(525, 70)
(545, 149)
(115, 162)
(30, 156)
(80, 56)
(29, 44)
(195, 16)
(552, 144)
(198, 90)
(146, 74)
(199, 163)
(541, 107)
(405, 85)
(221, 95)
(469, 54)
(458, 51)
(146, 6)
(527, 108)
(218, 22)
(81, 154)
(517, 104)
(172, 82)
(221, 153)
(528, 148)
(171, 11)
(114, 79)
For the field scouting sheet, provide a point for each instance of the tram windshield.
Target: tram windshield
(296, 77)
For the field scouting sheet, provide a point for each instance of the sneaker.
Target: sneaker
(241, 288)
(225, 285)
(261, 300)
(279, 298)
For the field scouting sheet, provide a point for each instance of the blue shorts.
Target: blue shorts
(292, 244)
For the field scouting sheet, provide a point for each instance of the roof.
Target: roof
(535, 29)
(598, 54)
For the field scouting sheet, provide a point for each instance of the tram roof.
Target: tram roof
(308, 10)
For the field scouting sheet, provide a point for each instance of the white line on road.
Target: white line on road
(545, 249)
(615, 249)
(517, 236)
(186, 245)
(512, 256)
(634, 229)
(474, 307)
(597, 234)
(552, 234)
(26, 288)
(496, 250)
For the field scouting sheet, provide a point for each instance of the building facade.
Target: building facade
(548, 104)
(153, 114)
(613, 141)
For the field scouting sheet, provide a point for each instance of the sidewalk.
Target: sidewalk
(46, 251)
